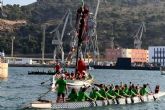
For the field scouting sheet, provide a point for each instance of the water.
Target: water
(20, 88)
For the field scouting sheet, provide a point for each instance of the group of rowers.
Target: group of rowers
(100, 91)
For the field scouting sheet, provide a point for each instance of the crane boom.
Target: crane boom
(97, 8)
(59, 37)
(138, 36)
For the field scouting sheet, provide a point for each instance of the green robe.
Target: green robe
(61, 85)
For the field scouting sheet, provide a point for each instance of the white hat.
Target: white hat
(63, 75)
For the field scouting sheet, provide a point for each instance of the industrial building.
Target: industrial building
(136, 55)
(157, 55)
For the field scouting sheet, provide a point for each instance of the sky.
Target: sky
(21, 2)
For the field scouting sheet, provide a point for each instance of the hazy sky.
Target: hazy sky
(21, 2)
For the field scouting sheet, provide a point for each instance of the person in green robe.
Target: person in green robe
(144, 90)
(61, 88)
(95, 95)
(72, 97)
(82, 95)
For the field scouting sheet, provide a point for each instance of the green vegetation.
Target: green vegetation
(116, 18)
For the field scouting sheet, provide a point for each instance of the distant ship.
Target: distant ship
(125, 64)
(162, 70)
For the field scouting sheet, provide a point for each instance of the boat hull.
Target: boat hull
(41, 73)
(76, 105)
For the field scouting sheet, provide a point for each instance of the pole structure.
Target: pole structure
(54, 56)
(12, 45)
(43, 43)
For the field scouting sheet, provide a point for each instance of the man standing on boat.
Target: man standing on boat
(57, 67)
(61, 89)
(81, 65)
(81, 68)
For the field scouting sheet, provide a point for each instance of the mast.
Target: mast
(81, 28)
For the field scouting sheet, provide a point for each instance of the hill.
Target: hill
(116, 18)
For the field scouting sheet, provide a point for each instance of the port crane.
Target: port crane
(138, 36)
(2, 14)
(92, 33)
(1, 8)
(58, 38)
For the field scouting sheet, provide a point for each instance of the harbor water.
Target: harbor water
(20, 88)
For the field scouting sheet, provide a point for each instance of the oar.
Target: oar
(152, 92)
(42, 95)
(46, 81)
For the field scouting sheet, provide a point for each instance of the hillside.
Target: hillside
(119, 19)
(10, 25)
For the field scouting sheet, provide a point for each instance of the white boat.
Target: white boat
(77, 83)
(162, 70)
(75, 105)
(91, 68)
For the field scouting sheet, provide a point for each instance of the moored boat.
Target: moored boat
(76, 105)
(41, 73)
(162, 70)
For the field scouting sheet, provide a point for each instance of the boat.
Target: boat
(162, 70)
(125, 64)
(46, 104)
(41, 73)
(76, 83)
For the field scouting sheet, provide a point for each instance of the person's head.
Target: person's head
(110, 87)
(72, 74)
(83, 89)
(80, 58)
(62, 76)
(116, 87)
(122, 88)
(133, 86)
(73, 90)
(106, 88)
(130, 88)
(125, 85)
(96, 89)
(144, 85)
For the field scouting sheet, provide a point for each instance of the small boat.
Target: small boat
(41, 73)
(91, 68)
(76, 105)
(162, 70)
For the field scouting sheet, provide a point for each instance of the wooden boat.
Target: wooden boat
(162, 70)
(76, 105)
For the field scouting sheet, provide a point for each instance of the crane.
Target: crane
(58, 39)
(2, 14)
(138, 36)
(73, 45)
(92, 33)
(1, 7)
